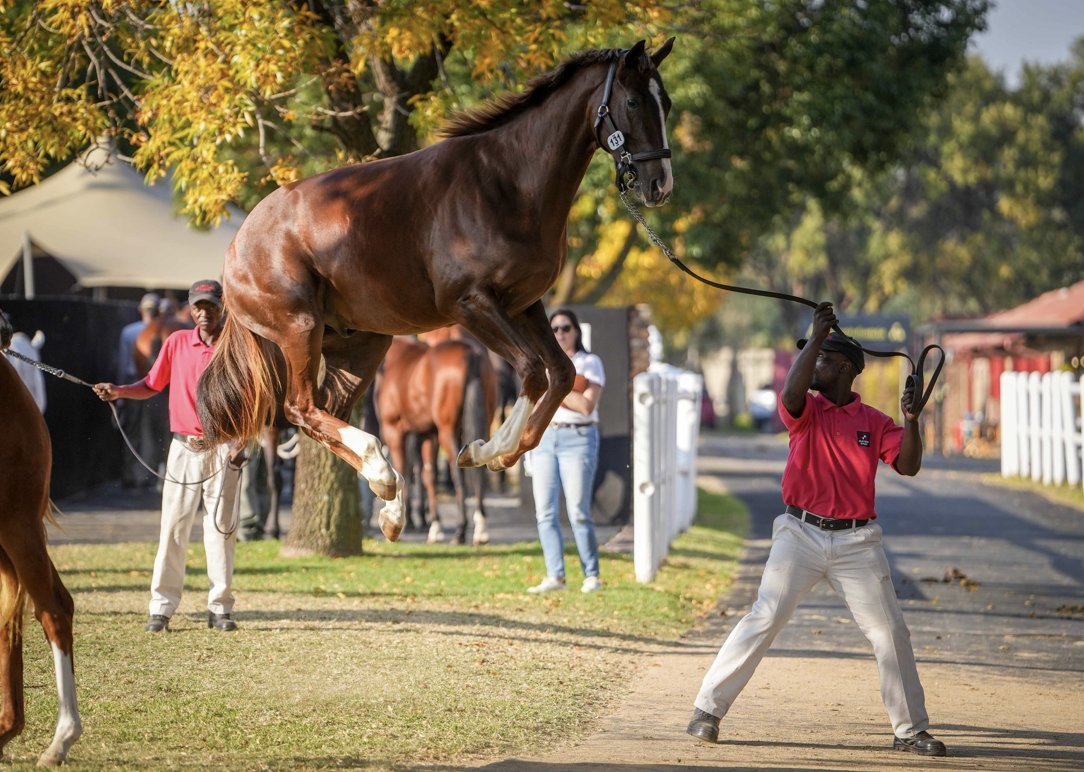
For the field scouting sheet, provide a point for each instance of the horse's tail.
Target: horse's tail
(239, 391)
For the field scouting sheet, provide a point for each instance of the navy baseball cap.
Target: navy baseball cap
(206, 289)
(843, 344)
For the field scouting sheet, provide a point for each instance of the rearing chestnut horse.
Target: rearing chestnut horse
(26, 570)
(471, 230)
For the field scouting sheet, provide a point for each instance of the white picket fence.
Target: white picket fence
(665, 429)
(1041, 429)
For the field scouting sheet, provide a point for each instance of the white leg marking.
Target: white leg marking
(507, 437)
(481, 533)
(68, 725)
(374, 467)
(395, 510)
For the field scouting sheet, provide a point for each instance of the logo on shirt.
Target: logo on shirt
(863, 439)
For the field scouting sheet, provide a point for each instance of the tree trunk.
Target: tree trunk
(326, 517)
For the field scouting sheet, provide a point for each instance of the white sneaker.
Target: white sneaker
(549, 584)
(591, 584)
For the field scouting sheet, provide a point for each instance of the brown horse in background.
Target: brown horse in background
(439, 393)
(25, 565)
(471, 230)
(150, 340)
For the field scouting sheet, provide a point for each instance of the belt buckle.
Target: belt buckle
(197, 444)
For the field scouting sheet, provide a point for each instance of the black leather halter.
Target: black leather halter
(624, 161)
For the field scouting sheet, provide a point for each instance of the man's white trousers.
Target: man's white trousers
(180, 504)
(853, 562)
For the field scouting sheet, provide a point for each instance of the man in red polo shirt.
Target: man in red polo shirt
(194, 472)
(829, 532)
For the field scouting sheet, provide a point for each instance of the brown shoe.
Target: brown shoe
(922, 743)
(704, 726)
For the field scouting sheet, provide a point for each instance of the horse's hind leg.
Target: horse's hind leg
(26, 554)
(11, 653)
(55, 611)
(428, 471)
(346, 373)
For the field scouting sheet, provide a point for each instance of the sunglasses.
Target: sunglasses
(562, 328)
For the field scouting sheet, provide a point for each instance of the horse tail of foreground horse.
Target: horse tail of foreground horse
(239, 391)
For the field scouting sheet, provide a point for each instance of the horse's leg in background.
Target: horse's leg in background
(427, 457)
(528, 344)
(269, 446)
(410, 466)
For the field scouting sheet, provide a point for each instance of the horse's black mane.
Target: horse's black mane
(505, 107)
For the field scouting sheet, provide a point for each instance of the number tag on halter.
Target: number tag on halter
(615, 140)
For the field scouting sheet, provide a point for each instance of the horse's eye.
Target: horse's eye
(633, 103)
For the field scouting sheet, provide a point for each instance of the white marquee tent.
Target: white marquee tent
(104, 224)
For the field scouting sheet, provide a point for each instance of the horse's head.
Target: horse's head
(631, 123)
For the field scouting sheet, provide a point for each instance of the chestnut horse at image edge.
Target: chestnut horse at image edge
(26, 458)
(470, 230)
(437, 393)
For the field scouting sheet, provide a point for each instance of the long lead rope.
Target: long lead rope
(914, 380)
(57, 372)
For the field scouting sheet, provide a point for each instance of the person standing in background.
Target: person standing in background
(32, 376)
(195, 472)
(567, 458)
(136, 416)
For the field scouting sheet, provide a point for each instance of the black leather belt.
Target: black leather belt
(824, 523)
(571, 426)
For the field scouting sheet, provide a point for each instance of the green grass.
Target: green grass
(408, 654)
(1070, 495)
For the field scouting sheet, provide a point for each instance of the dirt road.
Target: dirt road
(1000, 644)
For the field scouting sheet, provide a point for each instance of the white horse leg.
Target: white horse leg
(504, 440)
(383, 480)
(481, 533)
(393, 514)
(68, 725)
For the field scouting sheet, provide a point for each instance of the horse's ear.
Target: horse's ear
(634, 57)
(662, 53)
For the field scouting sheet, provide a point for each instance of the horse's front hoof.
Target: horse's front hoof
(50, 759)
(391, 529)
(385, 491)
(467, 458)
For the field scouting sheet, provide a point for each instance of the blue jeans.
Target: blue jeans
(566, 458)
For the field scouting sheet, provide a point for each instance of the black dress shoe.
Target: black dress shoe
(221, 622)
(704, 726)
(157, 623)
(922, 743)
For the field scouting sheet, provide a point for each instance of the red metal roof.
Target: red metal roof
(1062, 307)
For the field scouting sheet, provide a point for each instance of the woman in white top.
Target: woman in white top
(567, 458)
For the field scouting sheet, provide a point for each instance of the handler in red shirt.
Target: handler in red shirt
(194, 471)
(828, 532)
